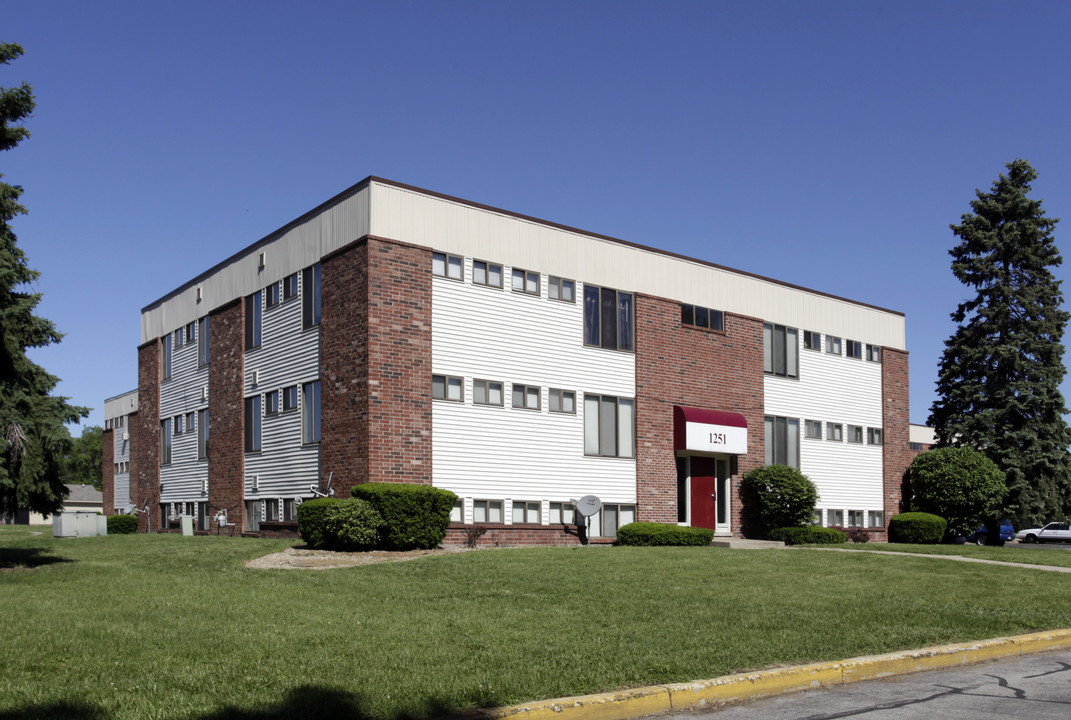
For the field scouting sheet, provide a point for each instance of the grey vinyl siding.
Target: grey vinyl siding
(182, 394)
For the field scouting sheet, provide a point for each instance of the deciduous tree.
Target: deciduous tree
(33, 437)
(998, 385)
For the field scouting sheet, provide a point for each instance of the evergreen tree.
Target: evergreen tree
(33, 437)
(998, 385)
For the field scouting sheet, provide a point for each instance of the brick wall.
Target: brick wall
(683, 365)
(226, 410)
(896, 452)
(107, 470)
(145, 437)
(375, 361)
(524, 535)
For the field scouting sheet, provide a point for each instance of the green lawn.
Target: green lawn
(1045, 555)
(164, 626)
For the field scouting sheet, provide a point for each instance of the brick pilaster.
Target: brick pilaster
(145, 438)
(226, 411)
(107, 470)
(896, 452)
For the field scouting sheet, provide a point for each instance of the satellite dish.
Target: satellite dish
(587, 505)
(130, 508)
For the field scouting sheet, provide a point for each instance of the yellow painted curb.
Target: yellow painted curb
(637, 702)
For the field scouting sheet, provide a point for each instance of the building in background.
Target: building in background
(394, 334)
(115, 451)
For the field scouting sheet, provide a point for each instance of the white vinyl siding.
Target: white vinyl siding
(180, 395)
(836, 390)
(493, 452)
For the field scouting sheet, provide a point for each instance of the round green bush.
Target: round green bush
(414, 516)
(917, 528)
(809, 535)
(310, 518)
(778, 496)
(651, 534)
(122, 524)
(959, 484)
(352, 524)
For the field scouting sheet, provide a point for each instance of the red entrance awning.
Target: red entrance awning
(703, 430)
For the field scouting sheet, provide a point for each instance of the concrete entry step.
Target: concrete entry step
(743, 544)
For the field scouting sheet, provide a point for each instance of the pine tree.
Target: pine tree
(998, 385)
(33, 437)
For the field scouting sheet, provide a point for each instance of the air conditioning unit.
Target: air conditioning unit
(256, 378)
(204, 486)
(256, 483)
(262, 260)
(126, 436)
(198, 294)
(204, 392)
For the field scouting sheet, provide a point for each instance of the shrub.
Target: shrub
(779, 496)
(809, 535)
(414, 516)
(650, 533)
(310, 519)
(473, 535)
(351, 524)
(858, 535)
(122, 524)
(918, 528)
(958, 484)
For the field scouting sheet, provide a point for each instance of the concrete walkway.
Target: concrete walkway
(655, 699)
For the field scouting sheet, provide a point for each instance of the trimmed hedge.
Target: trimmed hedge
(352, 524)
(311, 516)
(651, 533)
(778, 496)
(414, 516)
(917, 528)
(809, 535)
(122, 524)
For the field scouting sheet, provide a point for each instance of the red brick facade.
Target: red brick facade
(375, 359)
(896, 452)
(683, 365)
(226, 413)
(145, 438)
(107, 470)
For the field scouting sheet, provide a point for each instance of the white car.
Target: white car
(1053, 532)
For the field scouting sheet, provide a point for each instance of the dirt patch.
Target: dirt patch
(302, 558)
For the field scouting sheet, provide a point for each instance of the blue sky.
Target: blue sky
(826, 144)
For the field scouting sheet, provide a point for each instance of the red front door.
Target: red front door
(704, 489)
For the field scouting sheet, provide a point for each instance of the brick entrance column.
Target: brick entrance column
(226, 412)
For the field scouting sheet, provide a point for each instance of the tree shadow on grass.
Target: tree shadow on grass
(307, 702)
(14, 558)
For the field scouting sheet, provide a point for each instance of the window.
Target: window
(444, 387)
(252, 321)
(289, 510)
(310, 297)
(271, 295)
(875, 519)
(873, 353)
(853, 349)
(252, 424)
(832, 345)
(855, 433)
(486, 392)
(189, 421)
(780, 353)
(177, 424)
(271, 510)
(914, 446)
(202, 516)
(873, 436)
(165, 515)
(178, 337)
(202, 342)
(525, 281)
(486, 511)
(608, 318)
(812, 429)
(616, 516)
(561, 289)
(202, 434)
(562, 513)
(252, 515)
(855, 518)
(485, 273)
(816, 517)
(290, 286)
(835, 432)
(526, 513)
(812, 340)
(271, 402)
(165, 441)
(190, 334)
(608, 426)
(836, 518)
(562, 401)
(526, 396)
(289, 398)
(448, 266)
(457, 512)
(165, 357)
(310, 412)
(782, 441)
(702, 317)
